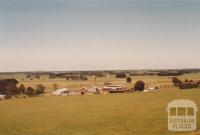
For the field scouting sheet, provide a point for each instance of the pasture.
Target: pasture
(113, 114)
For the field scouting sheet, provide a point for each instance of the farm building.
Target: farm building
(92, 90)
(61, 92)
(115, 88)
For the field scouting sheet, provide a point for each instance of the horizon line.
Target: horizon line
(138, 69)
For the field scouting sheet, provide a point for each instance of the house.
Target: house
(115, 88)
(61, 92)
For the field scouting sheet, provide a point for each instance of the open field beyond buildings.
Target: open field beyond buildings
(163, 82)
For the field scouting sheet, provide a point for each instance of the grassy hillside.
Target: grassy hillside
(113, 114)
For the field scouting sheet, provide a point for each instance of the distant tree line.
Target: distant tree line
(170, 73)
(143, 74)
(67, 76)
(121, 75)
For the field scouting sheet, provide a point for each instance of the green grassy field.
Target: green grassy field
(112, 114)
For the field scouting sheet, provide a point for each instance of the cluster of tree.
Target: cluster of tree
(67, 76)
(33, 76)
(29, 91)
(187, 84)
(164, 73)
(9, 87)
(76, 77)
(121, 75)
(143, 74)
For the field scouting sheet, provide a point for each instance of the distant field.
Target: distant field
(151, 81)
(112, 114)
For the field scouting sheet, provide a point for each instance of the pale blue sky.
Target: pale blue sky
(99, 34)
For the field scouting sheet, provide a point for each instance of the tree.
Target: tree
(55, 86)
(39, 89)
(139, 86)
(21, 88)
(30, 91)
(9, 87)
(128, 79)
(176, 81)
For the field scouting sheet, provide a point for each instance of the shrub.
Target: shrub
(128, 79)
(139, 86)
(21, 88)
(55, 86)
(39, 89)
(30, 91)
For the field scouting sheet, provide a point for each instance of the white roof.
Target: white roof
(114, 86)
(59, 91)
(63, 89)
